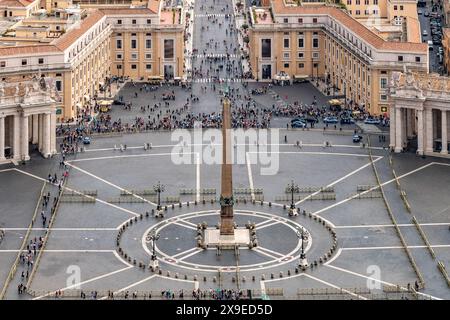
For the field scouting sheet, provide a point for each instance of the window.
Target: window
(119, 66)
(286, 43)
(148, 56)
(286, 65)
(133, 43)
(58, 85)
(383, 97)
(286, 55)
(301, 42)
(41, 61)
(134, 56)
(315, 55)
(149, 21)
(366, 12)
(148, 66)
(133, 21)
(285, 20)
(358, 2)
(357, 12)
(169, 49)
(301, 65)
(395, 7)
(383, 83)
(148, 43)
(2, 64)
(133, 67)
(401, 8)
(417, 59)
(24, 62)
(300, 20)
(366, 2)
(375, 2)
(400, 58)
(314, 20)
(119, 21)
(301, 55)
(349, 2)
(266, 48)
(119, 56)
(119, 44)
(315, 42)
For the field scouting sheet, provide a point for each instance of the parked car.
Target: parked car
(118, 102)
(372, 121)
(298, 124)
(426, 14)
(330, 120)
(356, 138)
(86, 140)
(425, 33)
(296, 119)
(347, 121)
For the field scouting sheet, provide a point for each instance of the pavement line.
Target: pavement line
(268, 225)
(188, 222)
(395, 247)
(124, 156)
(5, 170)
(110, 183)
(264, 222)
(30, 174)
(391, 225)
(250, 177)
(338, 180)
(190, 254)
(271, 251)
(257, 249)
(336, 287)
(76, 285)
(63, 251)
(61, 229)
(183, 225)
(319, 153)
(131, 285)
(371, 189)
(183, 252)
(198, 177)
(377, 280)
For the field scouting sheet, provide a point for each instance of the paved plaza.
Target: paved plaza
(360, 243)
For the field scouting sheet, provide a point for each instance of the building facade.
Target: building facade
(321, 41)
(83, 46)
(419, 113)
(27, 118)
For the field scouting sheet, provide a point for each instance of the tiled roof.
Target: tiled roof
(30, 49)
(73, 34)
(355, 26)
(16, 3)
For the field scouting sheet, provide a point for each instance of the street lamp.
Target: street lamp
(303, 261)
(293, 188)
(158, 189)
(153, 237)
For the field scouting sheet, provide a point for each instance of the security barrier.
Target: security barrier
(441, 268)
(424, 237)
(364, 187)
(369, 195)
(310, 189)
(145, 192)
(319, 196)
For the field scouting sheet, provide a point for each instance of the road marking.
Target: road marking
(432, 224)
(336, 287)
(131, 286)
(111, 184)
(61, 229)
(396, 247)
(191, 254)
(64, 251)
(198, 177)
(257, 249)
(371, 189)
(76, 285)
(184, 252)
(338, 180)
(183, 225)
(250, 177)
(377, 280)
(124, 156)
(268, 225)
(271, 251)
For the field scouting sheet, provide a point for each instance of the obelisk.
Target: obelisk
(226, 196)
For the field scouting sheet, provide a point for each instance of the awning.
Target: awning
(300, 76)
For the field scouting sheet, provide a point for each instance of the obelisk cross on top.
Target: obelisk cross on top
(226, 196)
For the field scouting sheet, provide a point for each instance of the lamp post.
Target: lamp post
(292, 188)
(303, 261)
(153, 237)
(158, 189)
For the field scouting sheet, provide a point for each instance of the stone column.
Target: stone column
(40, 132)
(429, 130)
(35, 134)
(24, 139)
(444, 132)
(398, 130)
(2, 138)
(53, 132)
(392, 127)
(46, 135)
(420, 138)
(16, 137)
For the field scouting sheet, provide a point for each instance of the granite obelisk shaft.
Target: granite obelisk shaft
(226, 196)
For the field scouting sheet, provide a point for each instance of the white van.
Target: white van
(430, 45)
